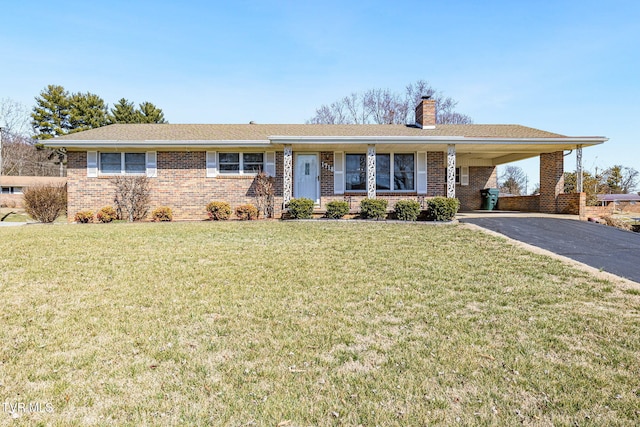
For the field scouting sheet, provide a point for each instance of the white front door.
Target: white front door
(307, 180)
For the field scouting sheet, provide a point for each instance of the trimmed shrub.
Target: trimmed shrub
(45, 203)
(337, 209)
(247, 212)
(373, 208)
(219, 211)
(301, 208)
(106, 214)
(442, 208)
(162, 214)
(84, 217)
(407, 210)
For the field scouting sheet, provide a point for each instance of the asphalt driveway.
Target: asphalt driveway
(607, 248)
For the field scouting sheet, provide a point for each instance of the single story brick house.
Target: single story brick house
(12, 187)
(193, 164)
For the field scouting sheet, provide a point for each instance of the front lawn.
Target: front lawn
(307, 323)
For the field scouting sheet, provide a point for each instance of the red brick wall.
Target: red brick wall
(181, 184)
(593, 211)
(519, 203)
(479, 178)
(436, 174)
(569, 203)
(326, 174)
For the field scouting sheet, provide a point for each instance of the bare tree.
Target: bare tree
(132, 196)
(264, 194)
(14, 117)
(513, 180)
(619, 179)
(19, 155)
(382, 106)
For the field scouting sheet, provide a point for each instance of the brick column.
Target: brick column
(551, 180)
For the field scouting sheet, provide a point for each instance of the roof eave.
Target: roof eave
(156, 144)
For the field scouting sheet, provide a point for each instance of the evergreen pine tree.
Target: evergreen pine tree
(50, 116)
(88, 111)
(123, 112)
(149, 113)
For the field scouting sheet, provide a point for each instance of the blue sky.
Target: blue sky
(571, 67)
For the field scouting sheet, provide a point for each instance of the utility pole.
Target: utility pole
(0, 150)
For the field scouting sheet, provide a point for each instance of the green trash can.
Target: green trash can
(489, 198)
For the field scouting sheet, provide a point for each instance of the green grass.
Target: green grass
(314, 323)
(15, 215)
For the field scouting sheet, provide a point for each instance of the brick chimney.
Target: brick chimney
(426, 113)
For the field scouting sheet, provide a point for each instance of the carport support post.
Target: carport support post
(451, 171)
(288, 173)
(371, 171)
(579, 169)
(551, 180)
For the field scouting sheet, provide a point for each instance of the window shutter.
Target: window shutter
(270, 163)
(212, 164)
(92, 164)
(421, 175)
(338, 172)
(464, 175)
(152, 164)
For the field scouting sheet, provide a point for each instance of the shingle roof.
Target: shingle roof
(262, 132)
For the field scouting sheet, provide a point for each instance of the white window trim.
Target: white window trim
(241, 172)
(391, 172)
(122, 166)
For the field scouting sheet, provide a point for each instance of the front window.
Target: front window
(135, 162)
(356, 173)
(241, 163)
(252, 162)
(394, 172)
(404, 168)
(383, 172)
(229, 162)
(123, 163)
(111, 162)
